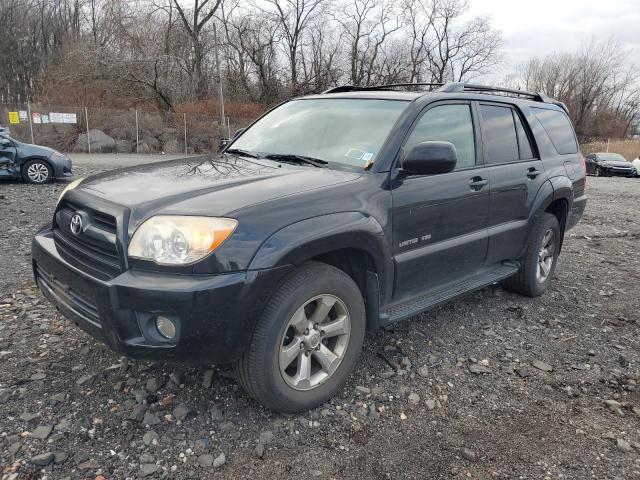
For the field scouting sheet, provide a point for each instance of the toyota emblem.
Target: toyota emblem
(76, 224)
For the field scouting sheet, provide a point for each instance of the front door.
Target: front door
(7, 155)
(440, 221)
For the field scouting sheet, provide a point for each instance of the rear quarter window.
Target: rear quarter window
(559, 129)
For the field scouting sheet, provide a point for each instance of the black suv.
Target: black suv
(329, 215)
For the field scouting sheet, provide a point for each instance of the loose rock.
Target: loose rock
(545, 367)
(219, 461)
(43, 459)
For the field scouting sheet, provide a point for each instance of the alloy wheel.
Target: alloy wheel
(314, 342)
(38, 172)
(546, 256)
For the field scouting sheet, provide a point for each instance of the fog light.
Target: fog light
(166, 327)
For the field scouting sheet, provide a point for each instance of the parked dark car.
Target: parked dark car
(609, 165)
(31, 163)
(329, 215)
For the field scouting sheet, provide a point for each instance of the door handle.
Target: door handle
(476, 183)
(533, 172)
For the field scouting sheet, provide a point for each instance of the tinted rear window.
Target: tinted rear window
(499, 134)
(523, 140)
(559, 129)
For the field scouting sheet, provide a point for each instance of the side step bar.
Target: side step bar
(422, 303)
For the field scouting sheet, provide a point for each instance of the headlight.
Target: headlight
(179, 240)
(58, 156)
(71, 186)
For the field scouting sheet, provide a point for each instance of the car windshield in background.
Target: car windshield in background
(611, 157)
(340, 130)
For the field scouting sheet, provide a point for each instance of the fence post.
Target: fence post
(86, 119)
(137, 135)
(608, 144)
(184, 116)
(30, 120)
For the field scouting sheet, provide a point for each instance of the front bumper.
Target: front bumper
(62, 168)
(215, 314)
(616, 172)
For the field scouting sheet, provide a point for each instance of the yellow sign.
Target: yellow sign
(14, 117)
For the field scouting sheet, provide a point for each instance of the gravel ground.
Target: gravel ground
(493, 385)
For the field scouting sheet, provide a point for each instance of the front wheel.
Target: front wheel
(539, 261)
(36, 171)
(307, 340)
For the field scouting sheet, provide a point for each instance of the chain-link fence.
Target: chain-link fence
(104, 130)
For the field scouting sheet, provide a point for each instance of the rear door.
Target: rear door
(440, 221)
(516, 174)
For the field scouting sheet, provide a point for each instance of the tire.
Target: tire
(263, 370)
(531, 280)
(36, 171)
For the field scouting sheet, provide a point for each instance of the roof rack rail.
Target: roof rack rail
(390, 86)
(469, 87)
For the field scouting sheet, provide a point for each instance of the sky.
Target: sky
(546, 26)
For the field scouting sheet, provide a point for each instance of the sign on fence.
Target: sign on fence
(23, 116)
(62, 117)
(14, 117)
(36, 117)
(56, 117)
(45, 118)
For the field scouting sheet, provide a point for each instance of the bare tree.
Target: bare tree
(293, 18)
(194, 21)
(460, 51)
(600, 91)
(159, 52)
(367, 24)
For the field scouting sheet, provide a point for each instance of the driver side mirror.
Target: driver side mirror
(430, 158)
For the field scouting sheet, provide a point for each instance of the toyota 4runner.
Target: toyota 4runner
(330, 215)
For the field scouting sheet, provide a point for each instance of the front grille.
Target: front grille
(68, 298)
(94, 249)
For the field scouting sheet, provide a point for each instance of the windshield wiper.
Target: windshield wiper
(285, 157)
(244, 153)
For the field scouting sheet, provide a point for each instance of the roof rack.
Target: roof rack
(453, 87)
(391, 86)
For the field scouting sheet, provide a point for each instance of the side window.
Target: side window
(523, 140)
(499, 134)
(559, 129)
(447, 123)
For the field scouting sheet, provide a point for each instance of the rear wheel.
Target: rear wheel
(36, 171)
(306, 342)
(539, 261)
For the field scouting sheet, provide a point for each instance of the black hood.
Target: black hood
(614, 163)
(211, 185)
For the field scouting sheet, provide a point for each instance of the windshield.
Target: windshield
(341, 130)
(611, 157)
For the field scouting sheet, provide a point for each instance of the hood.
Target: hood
(616, 163)
(211, 185)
